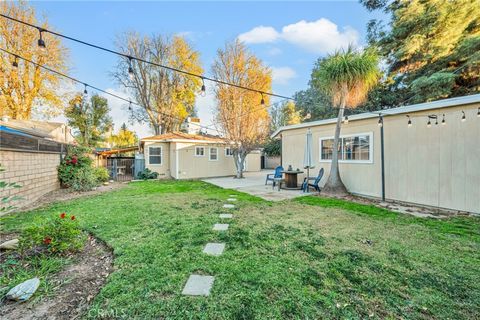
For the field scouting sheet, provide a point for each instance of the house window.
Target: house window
(155, 155)
(199, 151)
(213, 156)
(228, 152)
(351, 148)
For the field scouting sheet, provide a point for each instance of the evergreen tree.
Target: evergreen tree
(431, 49)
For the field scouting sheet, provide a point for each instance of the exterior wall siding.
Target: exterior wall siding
(193, 167)
(163, 169)
(35, 172)
(437, 166)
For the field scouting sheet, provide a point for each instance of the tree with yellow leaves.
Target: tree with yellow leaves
(167, 97)
(124, 138)
(241, 116)
(24, 87)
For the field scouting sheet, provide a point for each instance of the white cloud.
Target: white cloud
(281, 75)
(321, 36)
(259, 34)
(274, 51)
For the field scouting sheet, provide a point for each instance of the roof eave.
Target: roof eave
(444, 103)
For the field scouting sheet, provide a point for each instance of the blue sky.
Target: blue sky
(287, 36)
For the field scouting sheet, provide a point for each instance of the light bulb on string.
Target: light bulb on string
(436, 121)
(203, 90)
(262, 102)
(478, 112)
(15, 62)
(346, 120)
(429, 124)
(130, 105)
(464, 118)
(41, 42)
(380, 121)
(130, 68)
(409, 121)
(85, 92)
(443, 120)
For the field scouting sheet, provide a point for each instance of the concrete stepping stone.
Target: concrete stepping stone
(198, 285)
(220, 227)
(225, 216)
(214, 249)
(232, 199)
(228, 206)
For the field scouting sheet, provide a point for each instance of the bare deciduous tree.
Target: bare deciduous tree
(167, 97)
(241, 116)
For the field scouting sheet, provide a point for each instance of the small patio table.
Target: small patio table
(291, 179)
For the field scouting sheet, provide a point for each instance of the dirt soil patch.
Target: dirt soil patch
(67, 194)
(76, 285)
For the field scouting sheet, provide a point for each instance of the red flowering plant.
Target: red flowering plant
(60, 233)
(76, 170)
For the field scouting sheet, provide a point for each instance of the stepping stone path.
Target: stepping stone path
(220, 227)
(198, 285)
(214, 249)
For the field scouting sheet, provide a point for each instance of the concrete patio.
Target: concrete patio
(254, 184)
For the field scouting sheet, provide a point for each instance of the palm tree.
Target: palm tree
(346, 76)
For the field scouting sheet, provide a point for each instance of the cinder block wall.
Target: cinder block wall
(36, 172)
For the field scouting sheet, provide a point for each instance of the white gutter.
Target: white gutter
(445, 103)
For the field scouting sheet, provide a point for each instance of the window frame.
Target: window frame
(200, 155)
(160, 155)
(226, 154)
(370, 149)
(210, 154)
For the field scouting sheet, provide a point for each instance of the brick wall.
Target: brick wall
(36, 172)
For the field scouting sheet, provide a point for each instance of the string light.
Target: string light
(478, 112)
(41, 43)
(429, 124)
(409, 121)
(130, 105)
(130, 68)
(380, 121)
(443, 120)
(346, 120)
(15, 62)
(262, 102)
(211, 127)
(203, 92)
(85, 92)
(463, 116)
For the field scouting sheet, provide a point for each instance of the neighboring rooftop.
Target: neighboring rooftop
(184, 137)
(56, 131)
(445, 103)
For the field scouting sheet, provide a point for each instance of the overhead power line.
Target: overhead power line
(41, 43)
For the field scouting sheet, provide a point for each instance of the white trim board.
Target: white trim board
(370, 149)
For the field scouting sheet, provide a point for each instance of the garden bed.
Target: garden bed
(74, 287)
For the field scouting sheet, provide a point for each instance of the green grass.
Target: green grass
(307, 258)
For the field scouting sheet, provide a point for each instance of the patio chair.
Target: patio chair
(315, 181)
(274, 176)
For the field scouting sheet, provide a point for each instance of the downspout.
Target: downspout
(382, 155)
(281, 152)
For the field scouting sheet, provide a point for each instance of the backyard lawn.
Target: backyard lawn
(307, 258)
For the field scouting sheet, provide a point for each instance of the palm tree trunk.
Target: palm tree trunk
(334, 183)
